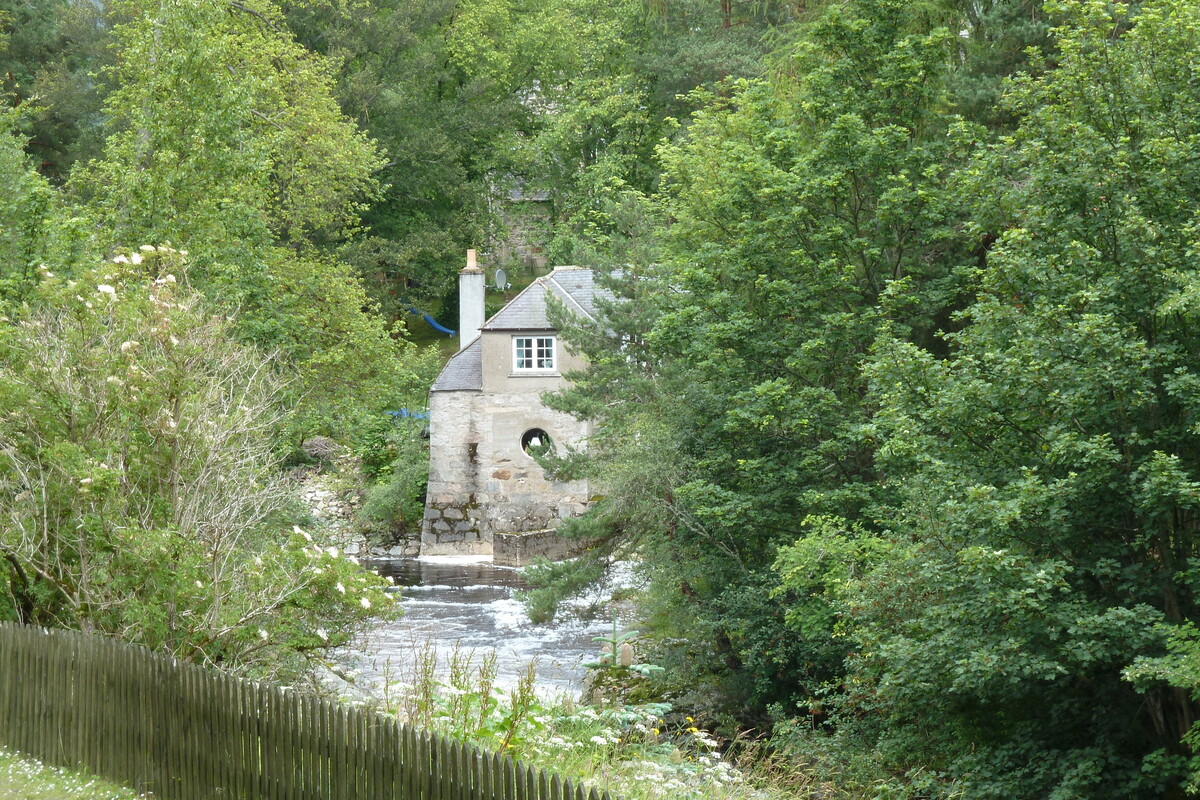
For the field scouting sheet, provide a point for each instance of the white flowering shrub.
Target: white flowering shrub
(634, 752)
(139, 489)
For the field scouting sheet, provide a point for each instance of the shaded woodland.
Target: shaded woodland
(897, 408)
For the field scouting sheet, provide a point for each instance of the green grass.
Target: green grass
(25, 779)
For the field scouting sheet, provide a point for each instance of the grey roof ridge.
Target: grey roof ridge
(504, 307)
(542, 280)
(569, 297)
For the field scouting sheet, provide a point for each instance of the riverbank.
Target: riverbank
(646, 751)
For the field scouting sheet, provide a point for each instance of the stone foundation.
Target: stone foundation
(480, 480)
(519, 549)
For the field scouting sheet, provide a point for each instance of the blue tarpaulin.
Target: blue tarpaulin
(433, 323)
(405, 413)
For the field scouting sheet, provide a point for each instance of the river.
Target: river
(468, 601)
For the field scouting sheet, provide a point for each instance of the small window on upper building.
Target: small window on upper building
(533, 353)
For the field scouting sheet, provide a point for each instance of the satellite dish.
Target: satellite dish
(501, 280)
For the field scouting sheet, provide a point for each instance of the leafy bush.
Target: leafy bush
(139, 490)
(396, 501)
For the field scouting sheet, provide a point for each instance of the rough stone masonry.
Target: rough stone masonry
(486, 406)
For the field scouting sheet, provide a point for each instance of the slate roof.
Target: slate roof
(462, 372)
(575, 287)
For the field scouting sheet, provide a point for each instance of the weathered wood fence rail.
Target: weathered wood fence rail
(182, 731)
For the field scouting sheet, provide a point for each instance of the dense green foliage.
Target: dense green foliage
(913, 370)
(895, 399)
(152, 390)
(1047, 467)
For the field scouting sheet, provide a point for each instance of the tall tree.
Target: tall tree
(223, 135)
(225, 139)
(1049, 467)
(802, 213)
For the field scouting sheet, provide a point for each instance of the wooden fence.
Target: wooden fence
(182, 731)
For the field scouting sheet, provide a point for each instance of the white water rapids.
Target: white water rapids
(468, 602)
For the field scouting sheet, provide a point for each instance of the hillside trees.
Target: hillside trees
(52, 68)
(635, 76)
(449, 89)
(224, 139)
(1015, 635)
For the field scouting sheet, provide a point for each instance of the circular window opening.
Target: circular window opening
(536, 442)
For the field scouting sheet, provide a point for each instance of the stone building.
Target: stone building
(486, 415)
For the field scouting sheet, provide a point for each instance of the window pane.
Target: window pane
(531, 352)
(545, 353)
(524, 353)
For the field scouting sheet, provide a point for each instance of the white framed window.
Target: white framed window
(533, 353)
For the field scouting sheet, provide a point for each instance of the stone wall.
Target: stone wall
(480, 480)
(519, 549)
(334, 505)
(524, 223)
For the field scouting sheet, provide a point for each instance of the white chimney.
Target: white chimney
(471, 284)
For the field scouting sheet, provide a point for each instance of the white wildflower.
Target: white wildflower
(104, 288)
(199, 585)
(333, 552)
(85, 481)
(263, 634)
(147, 248)
(600, 740)
(127, 346)
(136, 258)
(121, 260)
(364, 602)
(340, 588)
(113, 379)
